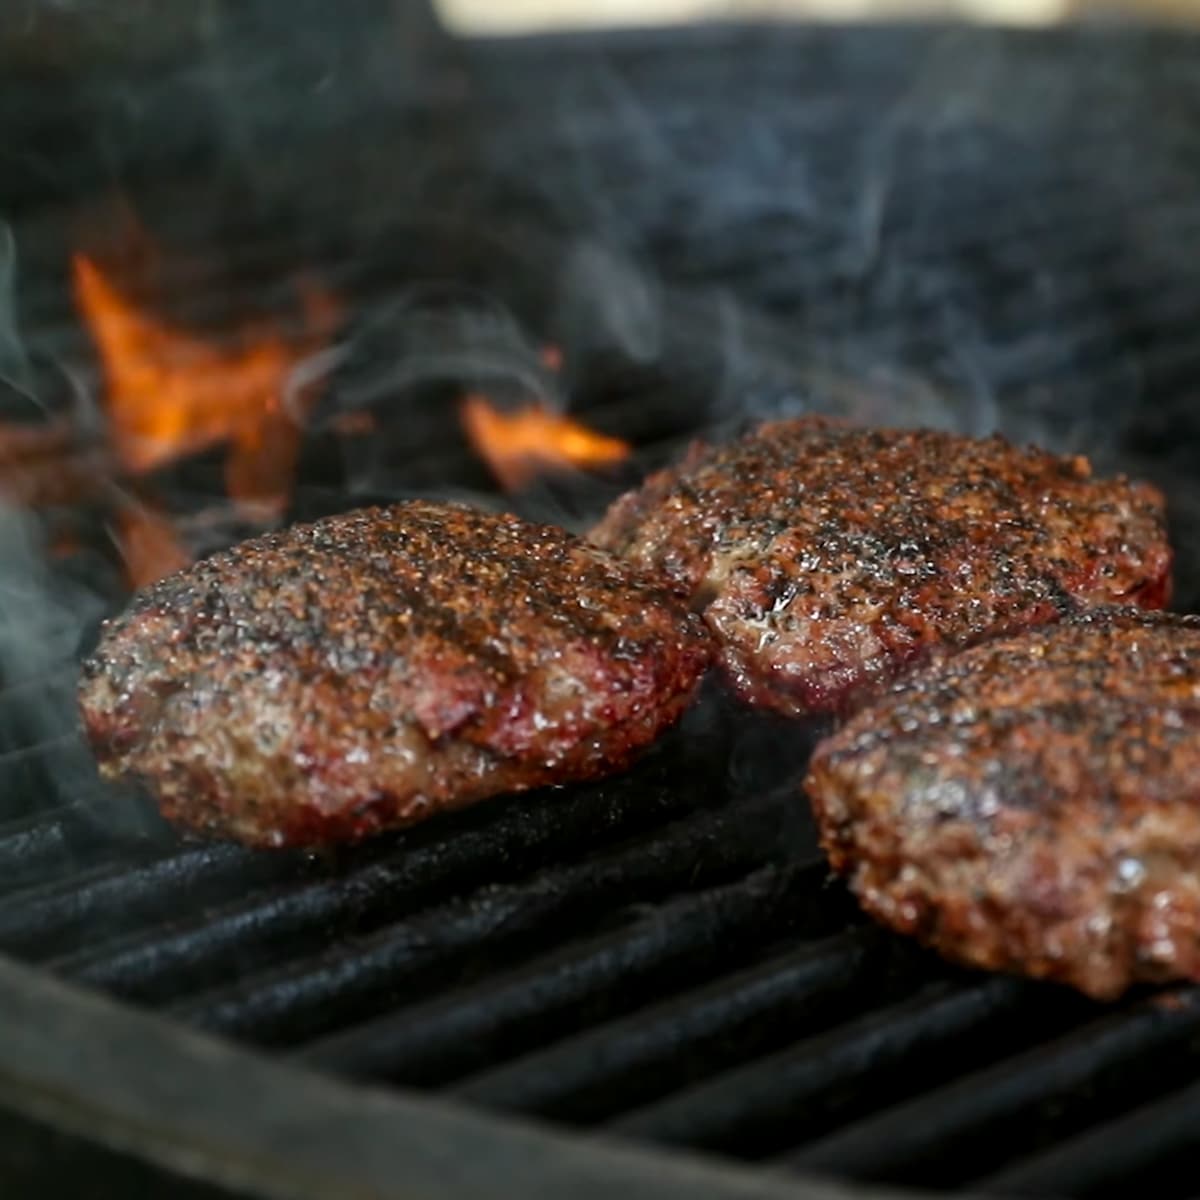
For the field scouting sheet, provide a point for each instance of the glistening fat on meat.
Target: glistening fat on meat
(335, 679)
(1033, 804)
(827, 558)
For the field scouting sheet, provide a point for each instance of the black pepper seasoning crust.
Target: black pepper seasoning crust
(828, 558)
(334, 679)
(1033, 804)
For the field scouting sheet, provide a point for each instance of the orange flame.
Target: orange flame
(171, 394)
(518, 445)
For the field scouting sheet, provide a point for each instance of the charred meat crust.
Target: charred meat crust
(827, 558)
(334, 679)
(1033, 804)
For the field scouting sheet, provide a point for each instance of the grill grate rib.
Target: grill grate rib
(586, 1078)
(770, 1104)
(197, 951)
(955, 1133)
(42, 920)
(439, 1040)
(34, 847)
(1150, 1147)
(309, 997)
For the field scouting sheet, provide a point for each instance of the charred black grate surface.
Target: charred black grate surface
(908, 225)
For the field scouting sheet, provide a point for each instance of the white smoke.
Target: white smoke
(15, 371)
(43, 618)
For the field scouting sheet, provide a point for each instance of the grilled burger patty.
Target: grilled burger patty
(827, 558)
(1033, 804)
(335, 679)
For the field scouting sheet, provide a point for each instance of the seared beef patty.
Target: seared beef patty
(363, 672)
(827, 558)
(1033, 804)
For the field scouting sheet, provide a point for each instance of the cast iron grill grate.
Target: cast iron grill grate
(661, 957)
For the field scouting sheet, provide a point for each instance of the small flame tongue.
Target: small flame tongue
(171, 394)
(517, 445)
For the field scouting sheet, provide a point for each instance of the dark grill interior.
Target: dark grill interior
(914, 225)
